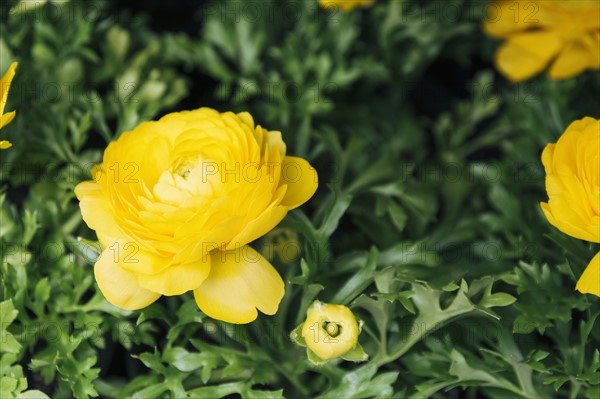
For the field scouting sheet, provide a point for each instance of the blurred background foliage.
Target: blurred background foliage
(426, 221)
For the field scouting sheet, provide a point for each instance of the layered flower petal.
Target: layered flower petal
(240, 281)
(259, 226)
(96, 210)
(525, 55)
(569, 223)
(589, 282)
(301, 179)
(119, 286)
(572, 60)
(177, 279)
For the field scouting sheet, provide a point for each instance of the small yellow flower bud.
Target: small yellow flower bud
(330, 331)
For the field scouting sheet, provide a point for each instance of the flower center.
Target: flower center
(332, 329)
(191, 176)
(186, 165)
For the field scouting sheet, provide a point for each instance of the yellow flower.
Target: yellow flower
(345, 5)
(330, 331)
(175, 202)
(5, 119)
(573, 185)
(559, 33)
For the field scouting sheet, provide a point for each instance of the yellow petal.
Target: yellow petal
(119, 286)
(302, 181)
(569, 223)
(4, 144)
(575, 58)
(96, 210)
(240, 281)
(7, 118)
(246, 118)
(595, 50)
(589, 282)
(276, 140)
(5, 85)
(500, 20)
(259, 226)
(563, 157)
(177, 279)
(526, 54)
(136, 259)
(547, 156)
(345, 5)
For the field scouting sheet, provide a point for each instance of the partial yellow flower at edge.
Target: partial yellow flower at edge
(572, 168)
(5, 119)
(175, 203)
(573, 185)
(564, 35)
(345, 5)
(589, 282)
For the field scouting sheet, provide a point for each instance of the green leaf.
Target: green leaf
(42, 291)
(359, 281)
(151, 360)
(8, 313)
(499, 299)
(339, 207)
(357, 354)
(314, 359)
(398, 215)
(296, 335)
(32, 394)
(153, 391)
(363, 383)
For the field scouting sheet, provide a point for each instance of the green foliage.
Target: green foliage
(426, 222)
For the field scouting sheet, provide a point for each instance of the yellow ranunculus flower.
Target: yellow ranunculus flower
(573, 184)
(5, 119)
(330, 331)
(565, 34)
(175, 202)
(345, 5)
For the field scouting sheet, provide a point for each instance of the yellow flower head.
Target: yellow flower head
(330, 331)
(345, 5)
(559, 33)
(5, 119)
(573, 185)
(175, 202)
